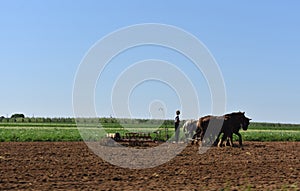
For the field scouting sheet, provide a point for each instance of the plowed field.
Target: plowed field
(72, 166)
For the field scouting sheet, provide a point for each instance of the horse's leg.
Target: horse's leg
(197, 135)
(194, 137)
(220, 144)
(217, 139)
(201, 136)
(230, 140)
(240, 138)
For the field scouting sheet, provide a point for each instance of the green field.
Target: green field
(90, 129)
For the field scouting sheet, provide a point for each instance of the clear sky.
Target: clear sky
(255, 43)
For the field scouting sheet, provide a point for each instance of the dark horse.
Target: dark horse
(229, 123)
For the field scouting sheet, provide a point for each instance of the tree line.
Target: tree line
(21, 118)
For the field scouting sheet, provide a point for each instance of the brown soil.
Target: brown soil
(72, 166)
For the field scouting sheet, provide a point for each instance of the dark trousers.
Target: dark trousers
(177, 131)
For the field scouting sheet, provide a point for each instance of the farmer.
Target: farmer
(177, 129)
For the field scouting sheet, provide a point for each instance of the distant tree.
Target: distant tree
(1, 118)
(18, 115)
(48, 120)
(69, 120)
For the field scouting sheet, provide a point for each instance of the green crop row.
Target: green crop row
(40, 134)
(59, 130)
(277, 126)
(271, 135)
(46, 133)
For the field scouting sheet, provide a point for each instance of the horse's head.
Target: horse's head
(245, 123)
(241, 119)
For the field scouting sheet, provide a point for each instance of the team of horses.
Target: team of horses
(208, 129)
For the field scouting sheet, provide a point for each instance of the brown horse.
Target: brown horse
(233, 123)
(202, 126)
(228, 124)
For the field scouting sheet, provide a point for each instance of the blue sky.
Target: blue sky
(255, 43)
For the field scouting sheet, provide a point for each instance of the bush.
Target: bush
(18, 115)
